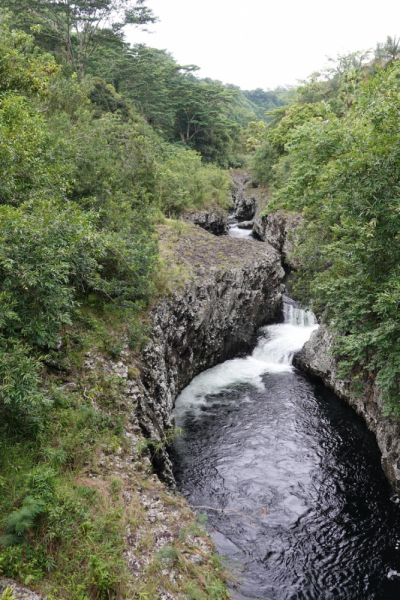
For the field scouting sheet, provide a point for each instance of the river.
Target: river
(238, 232)
(302, 509)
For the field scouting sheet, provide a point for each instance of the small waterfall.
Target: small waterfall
(298, 502)
(273, 354)
(280, 342)
(294, 315)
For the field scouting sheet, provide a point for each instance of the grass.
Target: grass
(110, 529)
(89, 467)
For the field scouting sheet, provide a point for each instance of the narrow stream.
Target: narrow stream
(235, 231)
(307, 512)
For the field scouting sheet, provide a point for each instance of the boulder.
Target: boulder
(214, 220)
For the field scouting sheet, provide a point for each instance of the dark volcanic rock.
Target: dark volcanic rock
(236, 288)
(278, 228)
(245, 207)
(214, 220)
(244, 200)
(316, 358)
(245, 225)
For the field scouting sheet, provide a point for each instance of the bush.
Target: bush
(47, 251)
(31, 164)
(19, 522)
(23, 69)
(22, 403)
(184, 182)
(344, 177)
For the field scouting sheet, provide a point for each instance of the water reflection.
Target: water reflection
(262, 440)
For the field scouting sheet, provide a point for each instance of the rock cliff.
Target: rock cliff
(316, 358)
(244, 198)
(278, 229)
(214, 220)
(233, 288)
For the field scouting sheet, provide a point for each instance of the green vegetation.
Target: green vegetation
(7, 594)
(85, 178)
(201, 114)
(103, 147)
(333, 155)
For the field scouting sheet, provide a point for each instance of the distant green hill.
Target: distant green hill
(251, 105)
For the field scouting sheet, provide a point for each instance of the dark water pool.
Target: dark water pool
(317, 519)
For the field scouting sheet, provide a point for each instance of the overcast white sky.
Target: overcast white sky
(264, 43)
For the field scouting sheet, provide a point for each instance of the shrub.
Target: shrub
(47, 250)
(22, 403)
(19, 522)
(7, 594)
(183, 182)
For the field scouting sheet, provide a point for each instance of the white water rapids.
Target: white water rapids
(273, 354)
(289, 477)
(237, 232)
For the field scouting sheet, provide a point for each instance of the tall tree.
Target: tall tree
(390, 50)
(200, 107)
(149, 77)
(79, 27)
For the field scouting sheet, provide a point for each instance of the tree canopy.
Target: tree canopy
(337, 163)
(78, 28)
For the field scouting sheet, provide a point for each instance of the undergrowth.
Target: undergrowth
(63, 517)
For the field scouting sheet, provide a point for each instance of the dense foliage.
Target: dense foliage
(98, 141)
(85, 175)
(75, 30)
(338, 164)
(202, 114)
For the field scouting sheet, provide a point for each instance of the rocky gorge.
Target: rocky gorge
(218, 312)
(214, 483)
(233, 287)
(279, 230)
(317, 359)
(214, 220)
(221, 290)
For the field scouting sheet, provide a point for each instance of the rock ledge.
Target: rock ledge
(316, 358)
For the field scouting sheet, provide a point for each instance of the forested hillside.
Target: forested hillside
(99, 143)
(333, 155)
(102, 145)
(87, 171)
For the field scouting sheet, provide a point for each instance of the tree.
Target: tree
(295, 115)
(254, 135)
(79, 27)
(169, 96)
(343, 63)
(199, 107)
(22, 70)
(390, 50)
(345, 179)
(149, 76)
(337, 83)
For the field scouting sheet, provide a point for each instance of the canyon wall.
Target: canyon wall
(316, 358)
(234, 290)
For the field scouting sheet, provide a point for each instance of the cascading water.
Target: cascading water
(237, 232)
(297, 500)
(294, 315)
